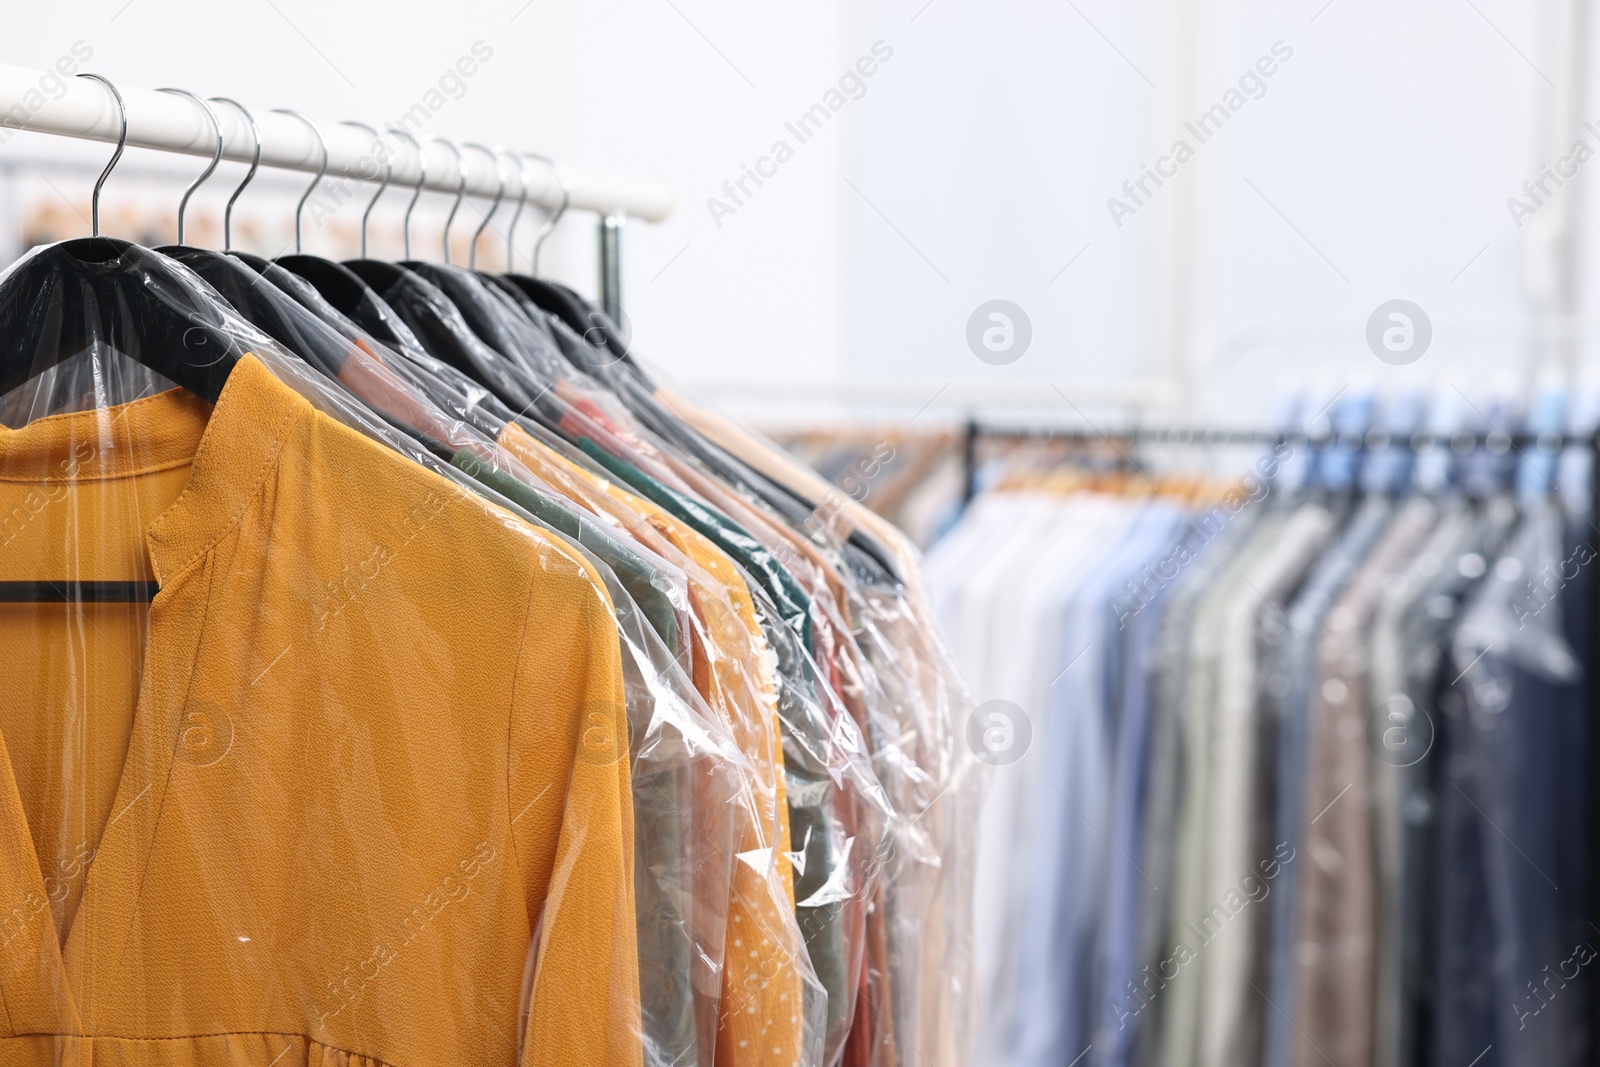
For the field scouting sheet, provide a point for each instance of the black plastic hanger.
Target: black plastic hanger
(223, 273)
(337, 284)
(550, 298)
(234, 280)
(114, 292)
(100, 290)
(342, 288)
(433, 318)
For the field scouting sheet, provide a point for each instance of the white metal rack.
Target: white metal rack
(171, 123)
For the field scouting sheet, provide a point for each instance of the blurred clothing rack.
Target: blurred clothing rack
(1201, 437)
(1195, 436)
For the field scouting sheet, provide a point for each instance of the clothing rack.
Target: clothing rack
(170, 123)
(1194, 436)
(976, 431)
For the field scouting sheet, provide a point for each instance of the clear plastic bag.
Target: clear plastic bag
(922, 978)
(370, 775)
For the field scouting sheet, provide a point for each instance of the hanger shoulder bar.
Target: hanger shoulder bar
(76, 592)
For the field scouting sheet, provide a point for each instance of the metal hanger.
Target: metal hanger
(79, 292)
(122, 142)
(336, 284)
(500, 194)
(388, 173)
(522, 202)
(216, 157)
(422, 179)
(552, 297)
(550, 223)
(322, 142)
(255, 164)
(461, 191)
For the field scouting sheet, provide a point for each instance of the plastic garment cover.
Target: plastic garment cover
(921, 991)
(806, 587)
(772, 1005)
(835, 809)
(768, 977)
(1514, 745)
(846, 940)
(384, 769)
(674, 865)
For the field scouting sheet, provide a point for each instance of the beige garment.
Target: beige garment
(1337, 917)
(1394, 768)
(839, 510)
(1233, 964)
(1194, 921)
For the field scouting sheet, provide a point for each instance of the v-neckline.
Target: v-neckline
(240, 440)
(124, 839)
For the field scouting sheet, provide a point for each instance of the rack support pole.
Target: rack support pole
(611, 266)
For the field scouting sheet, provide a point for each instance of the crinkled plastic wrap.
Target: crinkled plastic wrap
(391, 769)
(843, 825)
(902, 683)
(837, 810)
(487, 712)
(833, 813)
(1514, 739)
(772, 1006)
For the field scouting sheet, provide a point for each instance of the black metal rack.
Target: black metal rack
(1202, 437)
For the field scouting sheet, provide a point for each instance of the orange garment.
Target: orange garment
(353, 789)
(760, 1020)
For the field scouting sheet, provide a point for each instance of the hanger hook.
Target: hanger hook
(500, 194)
(461, 191)
(255, 164)
(422, 179)
(322, 142)
(216, 157)
(522, 202)
(555, 216)
(388, 173)
(122, 142)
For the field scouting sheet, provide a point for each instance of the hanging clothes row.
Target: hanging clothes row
(1310, 771)
(913, 478)
(394, 673)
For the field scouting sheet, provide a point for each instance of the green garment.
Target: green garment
(638, 576)
(792, 602)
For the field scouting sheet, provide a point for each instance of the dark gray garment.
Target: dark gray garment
(1410, 642)
(1525, 720)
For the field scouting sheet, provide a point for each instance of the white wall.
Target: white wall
(976, 165)
(1390, 141)
(687, 90)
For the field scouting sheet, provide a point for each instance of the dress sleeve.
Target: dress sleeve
(571, 816)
